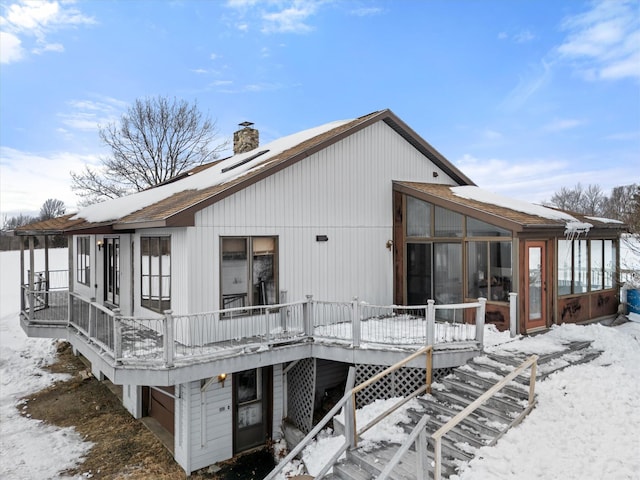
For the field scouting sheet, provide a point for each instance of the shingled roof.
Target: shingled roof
(175, 202)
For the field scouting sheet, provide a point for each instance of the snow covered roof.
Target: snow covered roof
(503, 211)
(175, 202)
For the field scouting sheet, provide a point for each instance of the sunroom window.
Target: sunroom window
(248, 271)
(489, 270)
(585, 265)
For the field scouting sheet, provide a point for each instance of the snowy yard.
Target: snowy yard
(585, 426)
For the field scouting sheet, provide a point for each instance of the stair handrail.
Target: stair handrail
(419, 437)
(437, 436)
(351, 439)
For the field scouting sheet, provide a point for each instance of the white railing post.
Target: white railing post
(350, 430)
(307, 316)
(480, 313)
(513, 314)
(431, 322)
(283, 311)
(437, 458)
(117, 335)
(92, 318)
(169, 344)
(355, 322)
(422, 472)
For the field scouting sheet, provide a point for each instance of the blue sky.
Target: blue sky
(523, 96)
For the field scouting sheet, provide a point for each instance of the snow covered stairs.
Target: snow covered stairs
(483, 427)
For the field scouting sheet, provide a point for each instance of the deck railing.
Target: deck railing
(47, 301)
(173, 337)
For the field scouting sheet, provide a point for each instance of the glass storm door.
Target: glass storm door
(251, 390)
(535, 288)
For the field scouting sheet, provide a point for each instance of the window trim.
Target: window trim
(572, 267)
(155, 303)
(249, 245)
(83, 260)
(112, 273)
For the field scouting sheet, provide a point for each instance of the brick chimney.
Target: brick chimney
(245, 139)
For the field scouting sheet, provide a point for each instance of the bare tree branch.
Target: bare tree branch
(156, 139)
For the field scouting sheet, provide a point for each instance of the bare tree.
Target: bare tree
(156, 139)
(592, 200)
(52, 208)
(567, 198)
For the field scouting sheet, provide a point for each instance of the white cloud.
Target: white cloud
(524, 36)
(366, 11)
(535, 179)
(33, 21)
(276, 16)
(10, 48)
(563, 124)
(28, 179)
(537, 77)
(604, 42)
(88, 114)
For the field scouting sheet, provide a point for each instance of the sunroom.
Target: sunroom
(457, 244)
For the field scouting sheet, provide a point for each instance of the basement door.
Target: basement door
(251, 408)
(535, 287)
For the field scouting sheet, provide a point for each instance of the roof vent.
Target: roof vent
(245, 139)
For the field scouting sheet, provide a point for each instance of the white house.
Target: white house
(195, 295)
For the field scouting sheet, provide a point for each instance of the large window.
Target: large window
(489, 270)
(436, 253)
(156, 273)
(248, 271)
(112, 270)
(585, 265)
(83, 257)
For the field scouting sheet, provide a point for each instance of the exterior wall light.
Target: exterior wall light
(100, 243)
(221, 378)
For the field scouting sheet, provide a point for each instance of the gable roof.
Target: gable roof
(505, 212)
(175, 202)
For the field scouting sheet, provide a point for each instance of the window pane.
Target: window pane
(234, 272)
(580, 266)
(418, 273)
(478, 271)
(478, 228)
(597, 271)
(609, 263)
(447, 223)
(448, 272)
(155, 268)
(564, 267)
(264, 282)
(418, 218)
(535, 283)
(499, 271)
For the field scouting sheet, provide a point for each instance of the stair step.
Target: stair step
(500, 400)
(460, 433)
(350, 471)
(486, 380)
(461, 402)
(475, 420)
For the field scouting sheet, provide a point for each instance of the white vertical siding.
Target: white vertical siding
(344, 192)
(278, 402)
(210, 423)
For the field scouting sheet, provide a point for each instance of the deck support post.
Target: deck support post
(22, 292)
(168, 339)
(117, 336)
(431, 322)
(31, 277)
(355, 321)
(47, 277)
(513, 313)
(480, 313)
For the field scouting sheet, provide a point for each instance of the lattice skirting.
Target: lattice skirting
(398, 384)
(301, 385)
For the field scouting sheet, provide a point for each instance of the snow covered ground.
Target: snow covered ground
(29, 449)
(586, 424)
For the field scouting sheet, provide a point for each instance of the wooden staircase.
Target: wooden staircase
(482, 428)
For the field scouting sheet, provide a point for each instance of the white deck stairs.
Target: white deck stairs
(484, 427)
